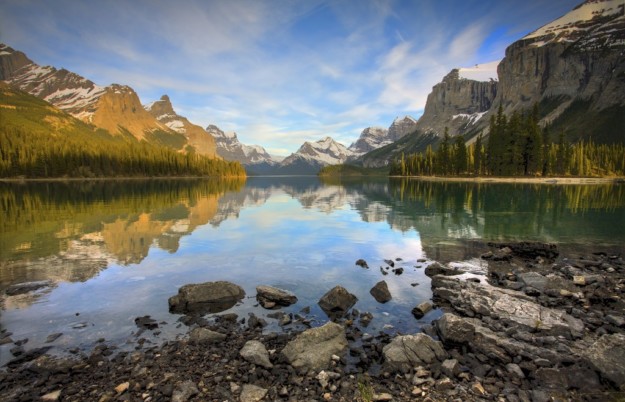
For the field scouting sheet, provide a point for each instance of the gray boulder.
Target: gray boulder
(607, 355)
(252, 393)
(255, 352)
(455, 330)
(337, 302)
(270, 297)
(313, 348)
(208, 297)
(438, 269)
(407, 351)
(422, 309)
(380, 292)
(184, 391)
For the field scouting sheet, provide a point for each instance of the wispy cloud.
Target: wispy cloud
(279, 72)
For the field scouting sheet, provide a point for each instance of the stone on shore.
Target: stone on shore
(407, 351)
(256, 353)
(208, 297)
(437, 269)
(422, 309)
(252, 393)
(203, 335)
(184, 391)
(380, 292)
(313, 348)
(270, 297)
(607, 355)
(337, 302)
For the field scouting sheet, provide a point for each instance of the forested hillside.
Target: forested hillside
(39, 141)
(516, 146)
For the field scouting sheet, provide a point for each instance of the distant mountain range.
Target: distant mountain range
(573, 68)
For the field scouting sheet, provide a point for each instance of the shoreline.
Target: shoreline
(125, 178)
(521, 180)
(566, 339)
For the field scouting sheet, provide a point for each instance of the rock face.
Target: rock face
(457, 103)
(401, 127)
(337, 302)
(408, 351)
(199, 139)
(313, 348)
(269, 297)
(208, 297)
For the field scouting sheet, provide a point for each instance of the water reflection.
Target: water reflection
(100, 244)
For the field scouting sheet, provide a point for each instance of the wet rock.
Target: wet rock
(266, 295)
(362, 263)
(530, 250)
(208, 297)
(204, 335)
(607, 355)
(438, 269)
(256, 353)
(53, 337)
(406, 351)
(21, 288)
(337, 301)
(380, 292)
(184, 391)
(398, 271)
(422, 309)
(146, 322)
(252, 393)
(391, 263)
(313, 348)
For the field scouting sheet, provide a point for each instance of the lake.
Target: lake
(113, 251)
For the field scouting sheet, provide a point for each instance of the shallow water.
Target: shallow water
(117, 250)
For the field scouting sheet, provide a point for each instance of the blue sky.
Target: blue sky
(278, 72)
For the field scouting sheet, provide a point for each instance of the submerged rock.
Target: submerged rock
(313, 348)
(208, 297)
(269, 296)
(380, 292)
(337, 302)
(21, 288)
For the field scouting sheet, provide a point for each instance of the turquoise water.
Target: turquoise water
(114, 251)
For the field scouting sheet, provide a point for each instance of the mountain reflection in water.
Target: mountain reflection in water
(101, 244)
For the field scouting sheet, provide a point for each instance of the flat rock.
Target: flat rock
(271, 296)
(337, 302)
(313, 348)
(256, 353)
(437, 269)
(607, 355)
(407, 351)
(184, 391)
(508, 306)
(208, 297)
(252, 393)
(380, 292)
(204, 335)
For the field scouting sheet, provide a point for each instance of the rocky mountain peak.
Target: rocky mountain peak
(402, 126)
(230, 148)
(161, 107)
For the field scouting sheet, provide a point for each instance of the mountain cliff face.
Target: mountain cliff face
(571, 66)
(371, 138)
(457, 103)
(254, 157)
(199, 139)
(115, 108)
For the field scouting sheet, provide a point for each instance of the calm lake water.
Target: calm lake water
(114, 251)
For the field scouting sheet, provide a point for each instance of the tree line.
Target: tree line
(516, 146)
(29, 154)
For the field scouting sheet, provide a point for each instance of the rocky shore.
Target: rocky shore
(539, 327)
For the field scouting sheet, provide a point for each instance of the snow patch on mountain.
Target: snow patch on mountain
(578, 22)
(229, 147)
(480, 72)
(472, 118)
(320, 153)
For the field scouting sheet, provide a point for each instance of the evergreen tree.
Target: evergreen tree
(460, 155)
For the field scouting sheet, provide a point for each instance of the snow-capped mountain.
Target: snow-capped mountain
(376, 137)
(164, 112)
(371, 138)
(254, 157)
(312, 156)
(115, 108)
